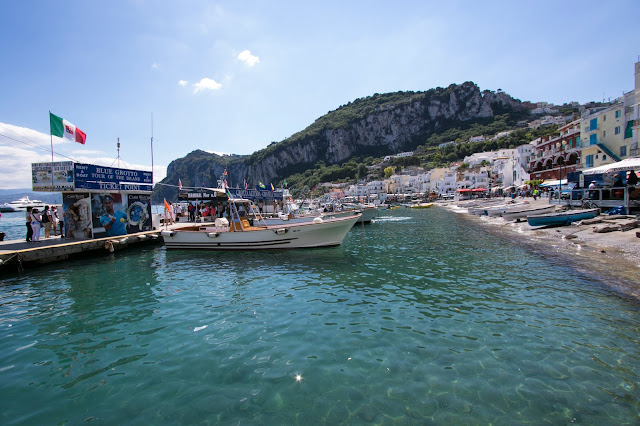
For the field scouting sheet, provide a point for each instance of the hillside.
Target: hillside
(374, 126)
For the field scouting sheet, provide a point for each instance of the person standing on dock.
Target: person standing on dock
(54, 221)
(46, 220)
(27, 216)
(113, 220)
(36, 224)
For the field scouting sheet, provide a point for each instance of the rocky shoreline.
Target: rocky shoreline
(607, 247)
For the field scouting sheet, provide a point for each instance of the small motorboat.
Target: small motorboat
(562, 218)
(240, 234)
(527, 210)
(421, 205)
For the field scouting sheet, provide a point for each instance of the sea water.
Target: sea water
(418, 318)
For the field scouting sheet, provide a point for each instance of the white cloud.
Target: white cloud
(20, 146)
(155, 65)
(206, 84)
(182, 83)
(249, 59)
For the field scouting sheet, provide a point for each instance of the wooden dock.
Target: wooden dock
(20, 256)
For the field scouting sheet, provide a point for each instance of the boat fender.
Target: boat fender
(108, 245)
(212, 234)
(167, 233)
(123, 241)
(317, 220)
(281, 231)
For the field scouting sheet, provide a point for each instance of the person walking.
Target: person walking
(27, 216)
(36, 224)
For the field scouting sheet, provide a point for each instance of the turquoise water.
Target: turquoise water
(418, 318)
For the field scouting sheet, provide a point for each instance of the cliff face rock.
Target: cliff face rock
(377, 125)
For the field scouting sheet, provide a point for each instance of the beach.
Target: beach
(614, 255)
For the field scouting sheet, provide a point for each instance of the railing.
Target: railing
(604, 198)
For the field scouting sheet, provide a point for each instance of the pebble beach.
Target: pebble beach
(614, 254)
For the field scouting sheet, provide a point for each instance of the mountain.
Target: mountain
(377, 125)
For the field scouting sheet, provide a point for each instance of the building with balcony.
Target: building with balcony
(557, 155)
(632, 115)
(601, 135)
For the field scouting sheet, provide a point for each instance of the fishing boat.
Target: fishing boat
(21, 205)
(515, 213)
(241, 234)
(562, 218)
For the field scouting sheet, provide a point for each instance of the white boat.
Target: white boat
(501, 209)
(240, 234)
(523, 212)
(21, 205)
(368, 213)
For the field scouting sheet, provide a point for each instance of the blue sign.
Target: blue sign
(93, 173)
(89, 176)
(110, 186)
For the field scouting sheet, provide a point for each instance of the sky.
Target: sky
(234, 76)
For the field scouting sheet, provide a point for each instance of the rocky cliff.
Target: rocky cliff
(377, 125)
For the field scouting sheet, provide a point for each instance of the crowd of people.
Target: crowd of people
(36, 221)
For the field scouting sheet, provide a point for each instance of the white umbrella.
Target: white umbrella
(621, 166)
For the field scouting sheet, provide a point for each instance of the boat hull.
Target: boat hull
(531, 211)
(562, 218)
(329, 232)
(368, 214)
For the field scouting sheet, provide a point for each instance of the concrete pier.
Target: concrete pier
(20, 256)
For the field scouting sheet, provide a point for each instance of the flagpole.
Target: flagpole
(152, 155)
(51, 137)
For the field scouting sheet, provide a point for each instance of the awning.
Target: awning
(620, 166)
(551, 182)
(480, 190)
(463, 190)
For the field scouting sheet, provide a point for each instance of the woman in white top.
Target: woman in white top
(54, 221)
(35, 224)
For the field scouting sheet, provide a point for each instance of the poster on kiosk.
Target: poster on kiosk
(115, 214)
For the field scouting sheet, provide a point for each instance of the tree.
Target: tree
(388, 171)
(362, 171)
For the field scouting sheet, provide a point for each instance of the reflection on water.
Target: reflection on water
(417, 318)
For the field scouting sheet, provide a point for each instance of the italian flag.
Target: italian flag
(63, 129)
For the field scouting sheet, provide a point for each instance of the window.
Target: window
(617, 130)
(604, 117)
(618, 113)
(604, 133)
(589, 161)
(593, 124)
(623, 151)
(593, 139)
